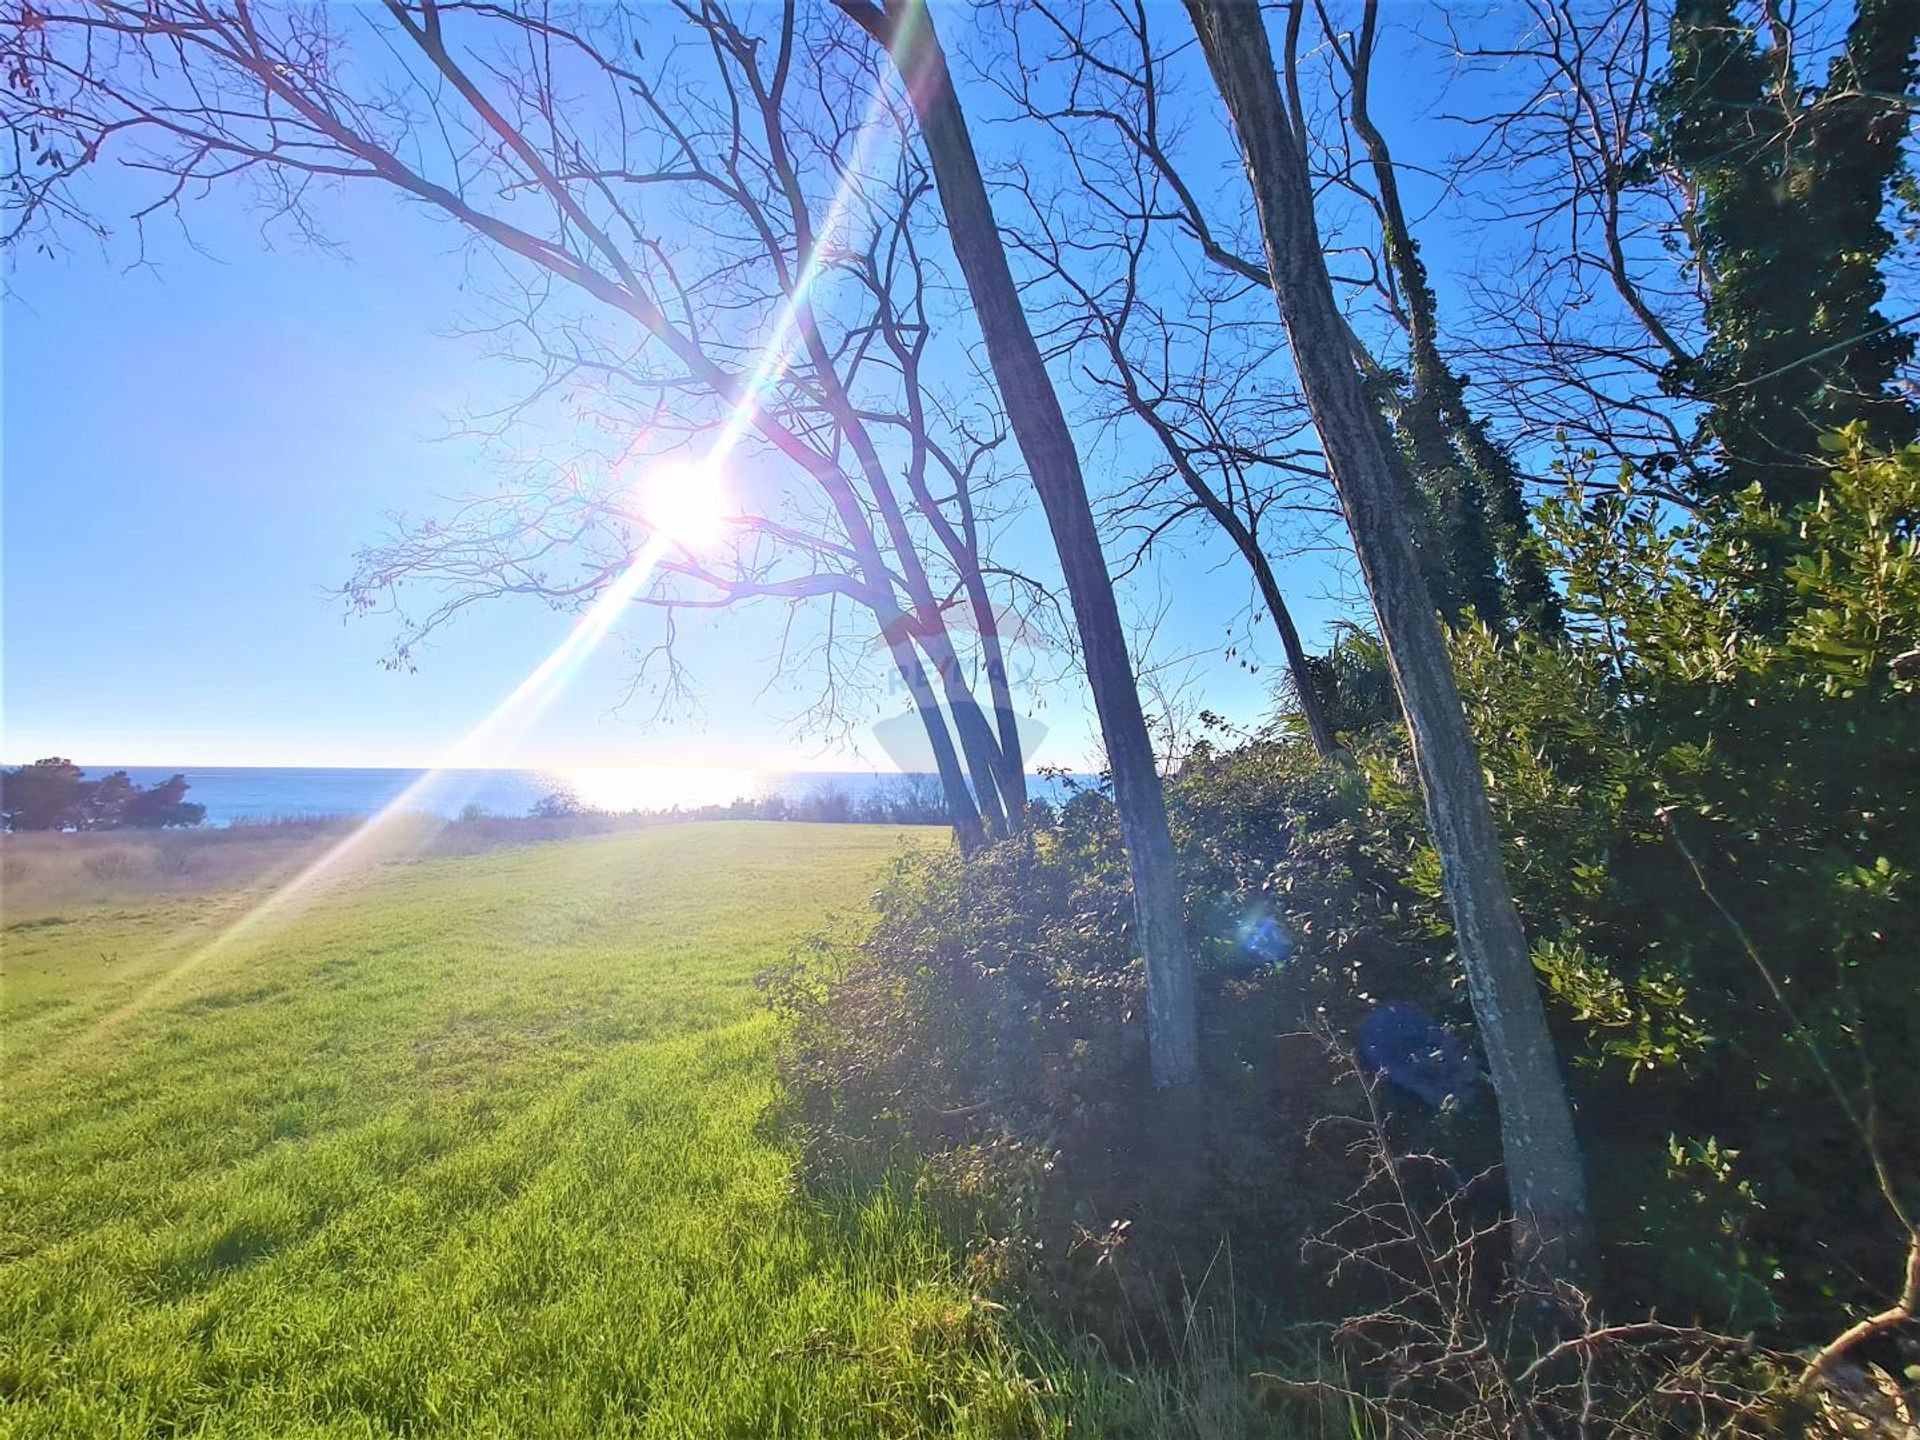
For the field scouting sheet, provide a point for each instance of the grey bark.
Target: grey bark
(1013, 760)
(964, 815)
(1040, 428)
(961, 542)
(1536, 1122)
(928, 626)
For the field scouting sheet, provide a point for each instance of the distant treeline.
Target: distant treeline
(909, 800)
(55, 794)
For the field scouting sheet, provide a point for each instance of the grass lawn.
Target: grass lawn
(477, 1147)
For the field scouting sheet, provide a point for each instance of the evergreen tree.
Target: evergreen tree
(162, 806)
(49, 794)
(55, 794)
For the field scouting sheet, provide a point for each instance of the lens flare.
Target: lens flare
(688, 504)
(383, 835)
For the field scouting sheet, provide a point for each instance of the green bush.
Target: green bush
(1708, 788)
(1712, 799)
(987, 1031)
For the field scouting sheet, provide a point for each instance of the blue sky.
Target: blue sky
(195, 446)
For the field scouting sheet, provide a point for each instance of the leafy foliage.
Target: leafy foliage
(989, 1028)
(1353, 683)
(1669, 727)
(1712, 837)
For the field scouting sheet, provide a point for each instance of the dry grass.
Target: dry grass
(44, 873)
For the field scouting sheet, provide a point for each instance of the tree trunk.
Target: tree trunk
(929, 626)
(978, 740)
(1536, 1122)
(1325, 743)
(1013, 759)
(967, 826)
(963, 546)
(1040, 428)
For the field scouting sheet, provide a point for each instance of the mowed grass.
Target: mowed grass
(480, 1147)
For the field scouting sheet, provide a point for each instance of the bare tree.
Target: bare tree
(1191, 362)
(1578, 333)
(564, 140)
(1475, 482)
(1040, 428)
(1473, 527)
(1240, 481)
(1619, 318)
(1542, 1153)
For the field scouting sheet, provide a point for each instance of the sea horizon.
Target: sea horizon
(252, 794)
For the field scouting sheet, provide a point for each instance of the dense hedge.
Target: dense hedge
(1709, 793)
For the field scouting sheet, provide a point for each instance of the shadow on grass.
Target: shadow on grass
(1189, 1375)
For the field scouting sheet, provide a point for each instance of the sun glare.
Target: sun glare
(620, 789)
(685, 503)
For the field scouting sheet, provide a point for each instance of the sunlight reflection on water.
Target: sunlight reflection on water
(619, 789)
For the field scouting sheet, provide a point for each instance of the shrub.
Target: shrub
(54, 794)
(1712, 799)
(987, 1031)
(1708, 789)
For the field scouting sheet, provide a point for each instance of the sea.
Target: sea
(259, 794)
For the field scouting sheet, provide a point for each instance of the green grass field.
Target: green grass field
(479, 1147)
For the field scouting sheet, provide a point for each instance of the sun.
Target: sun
(686, 503)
